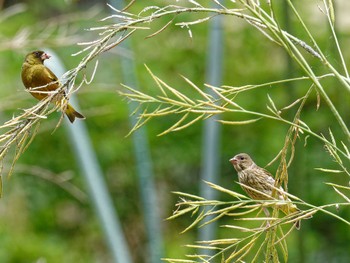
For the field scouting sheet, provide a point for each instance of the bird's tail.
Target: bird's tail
(291, 208)
(72, 113)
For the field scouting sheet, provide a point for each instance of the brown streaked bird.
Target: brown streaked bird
(35, 74)
(258, 178)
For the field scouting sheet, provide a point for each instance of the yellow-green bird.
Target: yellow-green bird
(35, 74)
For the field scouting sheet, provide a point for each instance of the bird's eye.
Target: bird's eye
(241, 158)
(37, 53)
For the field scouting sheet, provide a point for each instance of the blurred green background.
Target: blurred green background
(40, 221)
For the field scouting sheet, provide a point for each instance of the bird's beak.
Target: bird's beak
(45, 56)
(233, 160)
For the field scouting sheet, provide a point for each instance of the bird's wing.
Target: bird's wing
(267, 176)
(50, 74)
(271, 182)
(265, 181)
(42, 75)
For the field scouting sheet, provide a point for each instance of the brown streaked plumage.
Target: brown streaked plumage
(35, 74)
(258, 178)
